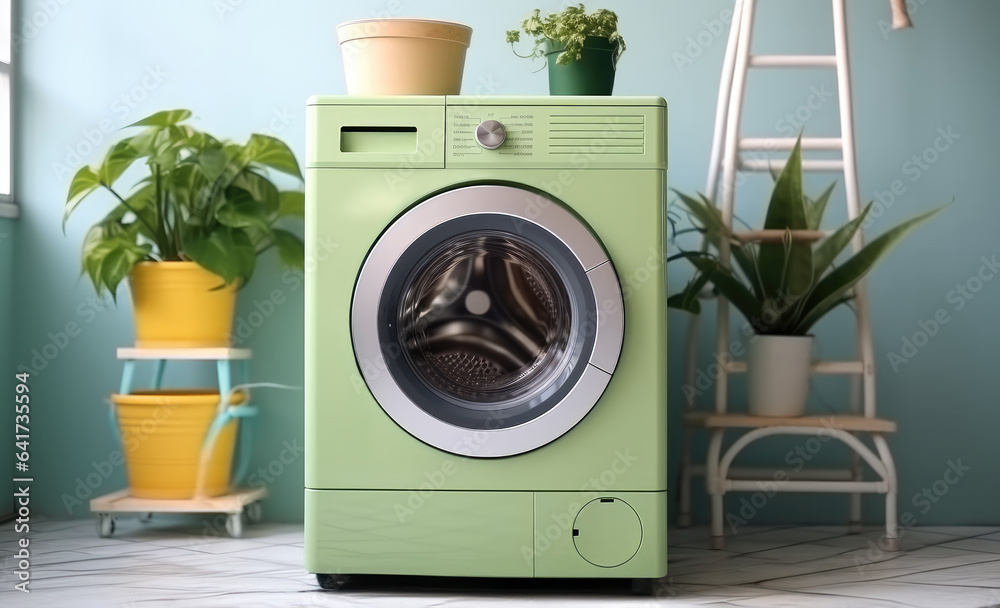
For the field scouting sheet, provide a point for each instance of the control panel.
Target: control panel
(570, 136)
(509, 131)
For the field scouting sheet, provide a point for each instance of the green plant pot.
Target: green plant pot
(592, 74)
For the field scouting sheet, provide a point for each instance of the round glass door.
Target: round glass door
(473, 320)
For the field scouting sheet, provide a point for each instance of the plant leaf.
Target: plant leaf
(830, 247)
(787, 271)
(165, 118)
(84, 182)
(831, 289)
(816, 208)
(292, 204)
(108, 257)
(272, 152)
(119, 158)
(729, 286)
(241, 210)
(227, 252)
(291, 249)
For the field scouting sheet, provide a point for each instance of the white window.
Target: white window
(7, 207)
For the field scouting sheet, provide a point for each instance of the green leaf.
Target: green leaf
(816, 209)
(292, 204)
(119, 158)
(240, 210)
(687, 300)
(830, 247)
(729, 286)
(227, 252)
(710, 217)
(786, 269)
(291, 250)
(831, 289)
(260, 189)
(108, 257)
(84, 182)
(272, 152)
(165, 118)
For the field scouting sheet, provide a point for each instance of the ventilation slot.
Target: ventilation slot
(596, 134)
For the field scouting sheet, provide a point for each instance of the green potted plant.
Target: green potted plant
(782, 287)
(586, 48)
(188, 232)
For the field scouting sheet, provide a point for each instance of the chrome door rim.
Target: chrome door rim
(521, 206)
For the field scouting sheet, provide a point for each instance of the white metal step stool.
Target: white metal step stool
(720, 476)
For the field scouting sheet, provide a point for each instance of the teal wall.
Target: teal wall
(248, 66)
(6, 357)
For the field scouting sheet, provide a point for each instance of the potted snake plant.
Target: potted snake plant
(580, 49)
(782, 287)
(187, 233)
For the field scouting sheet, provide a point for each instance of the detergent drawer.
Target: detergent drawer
(365, 136)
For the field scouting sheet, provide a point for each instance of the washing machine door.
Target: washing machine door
(487, 321)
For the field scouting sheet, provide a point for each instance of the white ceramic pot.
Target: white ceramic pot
(778, 375)
(403, 56)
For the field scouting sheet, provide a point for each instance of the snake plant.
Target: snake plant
(783, 288)
(200, 199)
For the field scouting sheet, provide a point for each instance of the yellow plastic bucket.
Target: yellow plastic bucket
(162, 435)
(180, 305)
(403, 56)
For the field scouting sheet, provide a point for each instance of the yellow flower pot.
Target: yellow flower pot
(162, 436)
(180, 305)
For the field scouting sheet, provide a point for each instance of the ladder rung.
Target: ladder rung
(793, 61)
(787, 143)
(833, 368)
(778, 236)
(871, 487)
(766, 165)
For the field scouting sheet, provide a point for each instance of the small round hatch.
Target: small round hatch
(607, 532)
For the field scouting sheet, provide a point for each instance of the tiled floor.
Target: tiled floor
(166, 564)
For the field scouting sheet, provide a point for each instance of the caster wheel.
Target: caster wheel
(234, 525)
(333, 582)
(253, 512)
(854, 527)
(684, 520)
(718, 543)
(146, 518)
(891, 545)
(105, 526)
(642, 586)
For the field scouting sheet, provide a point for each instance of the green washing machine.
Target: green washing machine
(486, 347)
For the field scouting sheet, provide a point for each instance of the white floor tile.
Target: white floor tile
(187, 563)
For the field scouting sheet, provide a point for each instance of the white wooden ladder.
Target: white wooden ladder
(860, 421)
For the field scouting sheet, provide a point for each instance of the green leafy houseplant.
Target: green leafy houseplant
(570, 28)
(201, 199)
(784, 288)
